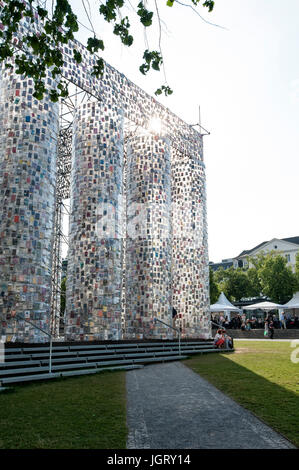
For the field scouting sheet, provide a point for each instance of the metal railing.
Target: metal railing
(216, 324)
(173, 328)
(46, 333)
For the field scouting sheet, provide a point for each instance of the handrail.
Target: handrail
(46, 333)
(173, 328)
(216, 324)
(2, 351)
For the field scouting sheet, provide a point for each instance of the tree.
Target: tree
(277, 279)
(270, 276)
(259, 259)
(233, 282)
(214, 289)
(42, 51)
(255, 288)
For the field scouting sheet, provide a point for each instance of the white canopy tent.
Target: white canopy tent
(263, 306)
(293, 303)
(224, 305)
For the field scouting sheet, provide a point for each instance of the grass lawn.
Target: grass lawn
(87, 412)
(259, 376)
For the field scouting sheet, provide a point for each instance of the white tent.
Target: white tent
(293, 303)
(224, 305)
(263, 306)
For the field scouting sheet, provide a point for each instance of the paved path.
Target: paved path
(172, 407)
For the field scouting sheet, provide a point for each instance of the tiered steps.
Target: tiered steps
(26, 363)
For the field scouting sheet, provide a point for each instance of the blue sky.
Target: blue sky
(246, 80)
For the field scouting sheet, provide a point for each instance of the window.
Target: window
(288, 257)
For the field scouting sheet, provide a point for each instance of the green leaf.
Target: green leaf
(42, 12)
(209, 4)
(98, 69)
(77, 56)
(166, 89)
(54, 96)
(94, 44)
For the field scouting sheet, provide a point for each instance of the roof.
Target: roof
(223, 304)
(247, 252)
(294, 240)
(294, 302)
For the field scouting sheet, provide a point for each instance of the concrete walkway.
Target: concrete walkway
(172, 407)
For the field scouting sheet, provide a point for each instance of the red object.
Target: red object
(220, 342)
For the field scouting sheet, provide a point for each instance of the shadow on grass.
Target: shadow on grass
(84, 412)
(272, 403)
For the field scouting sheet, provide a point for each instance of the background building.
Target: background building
(288, 247)
(225, 264)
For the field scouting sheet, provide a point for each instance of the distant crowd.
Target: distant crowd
(240, 322)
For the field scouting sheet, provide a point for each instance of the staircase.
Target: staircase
(30, 363)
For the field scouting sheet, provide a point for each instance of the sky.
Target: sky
(244, 76)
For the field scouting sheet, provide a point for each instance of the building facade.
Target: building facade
(288, 247)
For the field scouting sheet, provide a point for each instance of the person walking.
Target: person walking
(266, 330)
(174, 318)
(271, 329)
(283, 320)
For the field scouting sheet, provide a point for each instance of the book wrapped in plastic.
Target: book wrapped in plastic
(148, 243)
(28, 151)
(94, 274)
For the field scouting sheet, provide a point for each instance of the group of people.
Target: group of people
(240, 322)
(222, 340)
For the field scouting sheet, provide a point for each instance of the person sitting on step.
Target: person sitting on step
(219, 341)
(229, 344)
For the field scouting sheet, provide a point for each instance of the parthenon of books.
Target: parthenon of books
(137, 227)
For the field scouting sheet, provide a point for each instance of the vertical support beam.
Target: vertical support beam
(56, 270)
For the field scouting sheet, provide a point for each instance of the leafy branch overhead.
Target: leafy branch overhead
(43, 50)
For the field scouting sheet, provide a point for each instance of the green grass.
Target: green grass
(75, 413)
(259, 376)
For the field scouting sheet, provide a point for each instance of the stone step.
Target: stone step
(15, 357)
(33, 378)
(91, 361)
